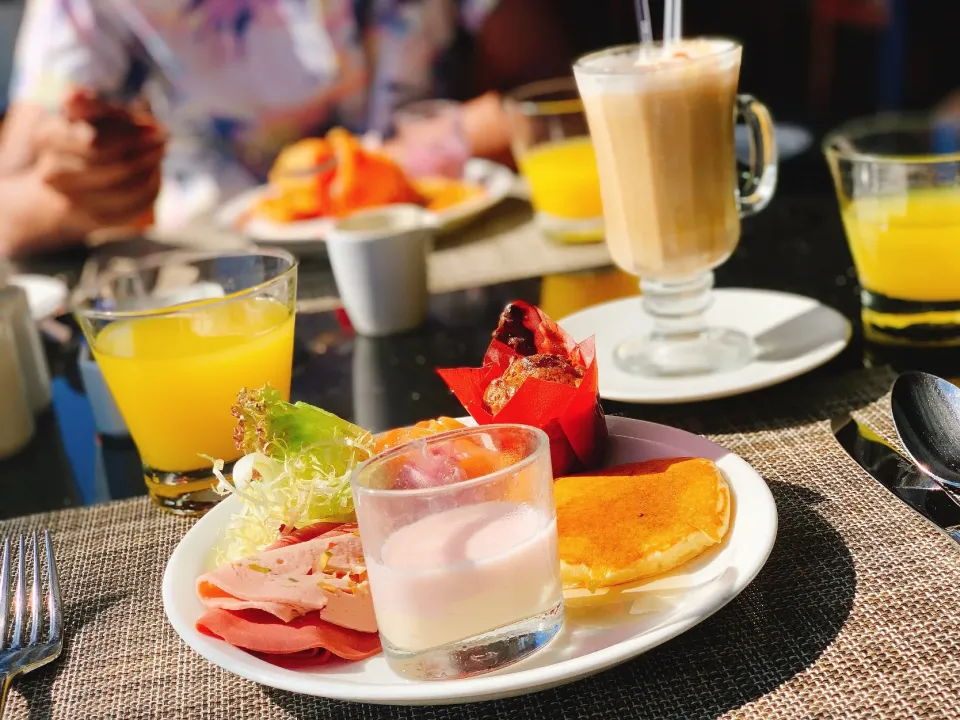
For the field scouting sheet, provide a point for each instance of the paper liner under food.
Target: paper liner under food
(571, 417)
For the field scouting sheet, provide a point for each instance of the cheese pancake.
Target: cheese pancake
(631, 521)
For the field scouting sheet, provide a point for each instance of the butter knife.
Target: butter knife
(886, 465)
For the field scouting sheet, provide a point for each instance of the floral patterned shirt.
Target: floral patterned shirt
(235, 80)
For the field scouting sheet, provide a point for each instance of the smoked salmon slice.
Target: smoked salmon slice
(424, 428)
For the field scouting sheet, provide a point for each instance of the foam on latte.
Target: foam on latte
(629, 68)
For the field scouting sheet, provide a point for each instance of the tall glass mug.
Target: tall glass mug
(177, 336)
(553, 150)
(459, 534)
(662, 123)
(899, 191)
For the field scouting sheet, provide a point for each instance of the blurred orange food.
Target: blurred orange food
(332, 177)
(442, 193)
(335, 176)
(365, 179)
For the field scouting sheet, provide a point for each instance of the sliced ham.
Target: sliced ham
(300, 602)
(308, 636)
(299, 535)
(324, 572)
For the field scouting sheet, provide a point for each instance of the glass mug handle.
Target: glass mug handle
(760, 180)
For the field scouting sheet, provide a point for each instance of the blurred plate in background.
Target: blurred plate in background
(496, 180)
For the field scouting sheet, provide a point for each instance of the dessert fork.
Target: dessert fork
(19, 655)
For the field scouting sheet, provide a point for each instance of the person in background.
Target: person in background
(127, 112)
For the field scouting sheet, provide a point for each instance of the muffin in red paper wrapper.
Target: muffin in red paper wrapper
(535, 374)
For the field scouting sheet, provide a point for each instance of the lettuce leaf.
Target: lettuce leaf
(296, 470)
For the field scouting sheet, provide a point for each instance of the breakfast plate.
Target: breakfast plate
(791, 335)
(600, 630)
(496, 180)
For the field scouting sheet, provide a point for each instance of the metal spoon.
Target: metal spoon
(926, 413)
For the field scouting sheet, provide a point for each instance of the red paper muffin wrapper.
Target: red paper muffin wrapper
(571, 417)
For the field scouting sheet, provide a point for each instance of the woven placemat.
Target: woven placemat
(854, 615)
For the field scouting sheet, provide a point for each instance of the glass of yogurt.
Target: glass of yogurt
(459, 533)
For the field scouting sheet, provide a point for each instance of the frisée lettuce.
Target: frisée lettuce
(295, 470)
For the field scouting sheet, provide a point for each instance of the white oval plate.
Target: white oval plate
(599, 631)
(793, 335)
(497, 181)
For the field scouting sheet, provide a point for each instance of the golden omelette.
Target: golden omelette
(627, 522)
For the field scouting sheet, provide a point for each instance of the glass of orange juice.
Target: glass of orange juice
(176, 337)
(898, 185)
(553, 150)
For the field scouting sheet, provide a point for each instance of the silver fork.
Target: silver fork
(17, 656)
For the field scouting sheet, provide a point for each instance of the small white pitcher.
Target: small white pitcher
(379, 260)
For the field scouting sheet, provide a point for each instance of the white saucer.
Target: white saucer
(794, 334)
(599, 631)
(792, 140)
(45, 295)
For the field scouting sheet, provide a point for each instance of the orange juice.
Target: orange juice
(175, 377)
(907, 247)
(563, 294)
(563, 178)
(907, 251)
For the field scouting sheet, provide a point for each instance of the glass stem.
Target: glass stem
(679, 308)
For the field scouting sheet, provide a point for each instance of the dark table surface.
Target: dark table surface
(796, 245)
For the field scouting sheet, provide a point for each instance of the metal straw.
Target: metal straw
(676, 16)
(672, 16)
(643, 21)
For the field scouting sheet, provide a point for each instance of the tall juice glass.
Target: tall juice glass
(662, 122)
(899, 192)
(176, 337)
(459, 535)
(553, 150)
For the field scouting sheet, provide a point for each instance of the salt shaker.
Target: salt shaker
(33, 360)
(16, 418)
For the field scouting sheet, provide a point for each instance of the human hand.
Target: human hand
(103, 158)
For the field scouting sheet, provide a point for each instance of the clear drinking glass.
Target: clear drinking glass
(177, 336)
(432, 139)
(459, 534)
(898, 186)
(662, 123)
(553, 150)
